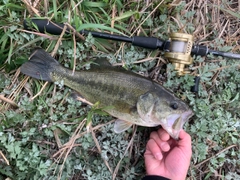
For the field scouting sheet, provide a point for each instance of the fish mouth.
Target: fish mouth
(186, 115)
(175, 123)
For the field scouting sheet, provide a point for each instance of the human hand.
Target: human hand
(167, 157)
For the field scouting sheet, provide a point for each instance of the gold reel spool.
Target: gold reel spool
(180, 51)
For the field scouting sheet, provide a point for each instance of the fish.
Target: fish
(130, 97)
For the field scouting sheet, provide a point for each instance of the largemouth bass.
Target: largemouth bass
(132, 99)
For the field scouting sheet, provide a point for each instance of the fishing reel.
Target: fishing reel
(180, 52)
(178, 49)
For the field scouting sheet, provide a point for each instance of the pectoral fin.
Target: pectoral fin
(121, 125)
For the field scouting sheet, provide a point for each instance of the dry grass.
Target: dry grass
(209, 22)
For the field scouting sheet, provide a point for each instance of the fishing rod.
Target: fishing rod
(179, 49)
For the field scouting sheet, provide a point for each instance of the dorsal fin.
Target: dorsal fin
(100, 62)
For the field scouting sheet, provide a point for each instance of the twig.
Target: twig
(227, 148)
(80, 135)
(79, 2)
(75, 32)
(46, 5)
(70, 145)
(96, 127)
(83, 100)
(113, 15)
(99, 148)
(8, 101)
(59, 41)
(39, 91)
(118, 165)
(5, 159)
(31, 8)
(12, 96)
(221, 33)
(14, 79)
(39, 141)
(51, 37)
(147, 17)
(61, 152)
(74, 53)
(58, 141)
(67, 147)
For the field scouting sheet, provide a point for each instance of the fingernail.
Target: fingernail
(158, 156)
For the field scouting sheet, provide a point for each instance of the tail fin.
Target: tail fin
(40, 65)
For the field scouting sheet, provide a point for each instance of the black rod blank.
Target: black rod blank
(44, 25)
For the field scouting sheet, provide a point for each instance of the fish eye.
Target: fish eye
(174, 105)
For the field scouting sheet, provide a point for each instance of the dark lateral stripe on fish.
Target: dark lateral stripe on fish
(131, 97)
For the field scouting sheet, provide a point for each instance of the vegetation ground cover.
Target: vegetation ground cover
(43, 132)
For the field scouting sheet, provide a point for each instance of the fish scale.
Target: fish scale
(98, 86)
(131, 98)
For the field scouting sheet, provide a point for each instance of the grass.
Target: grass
(42, 129)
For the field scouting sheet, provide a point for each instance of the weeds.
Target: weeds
(42, 131)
